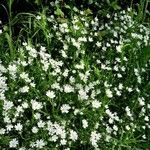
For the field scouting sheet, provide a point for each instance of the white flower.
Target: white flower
(12, 68)
(146, 118)
(127, 127)
(95, 137)
(127, 109)
(37, 115)
(73, 135)
(63, 142)
(19, 109)
(118, 93)
(65, 108)
(96, 104)
(98, 44)
(109, 93)
(7, 119)
(35, 129)
(7, 105)
(50, 94)
(54, 138)
(2, 131)
(25, 105)
(83, 94)
(144, 137)
(85, 123)
(24, 89)
(129, 89)
(76, 111)
(90, 39)
(18, 127)
(9, 127)
(24, 63)
(141, 101)
(118, 48)
(115, 128)
(68, 88)
(32, 85)
(24, 75)
(38, 17)
(13, 143)
(110, 120)
(36, 105)
(40, 144)
(65, 56)
(41, 124)
(119, 75)
(120, 86)
(108, 137)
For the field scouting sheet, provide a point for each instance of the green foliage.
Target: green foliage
(73, 72)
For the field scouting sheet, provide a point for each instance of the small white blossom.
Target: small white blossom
(36, 105)
(82, 94)
(35, 129)
(96, 104)
(146, 118)
(50, 94)
(68, 88)
(109, 93)
(24, 89)
(18, 127)
(7, 105)
(25, 105)
(94, 138)
(65, 108)
(115, 128)
(63, 142)
(40, 144)
(118, 48)
(84, 123)
(127, 127)
(2, 131)
(13, 143)
(73, 135)
(41, 124)
(38, 17)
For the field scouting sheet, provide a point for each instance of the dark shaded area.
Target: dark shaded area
(3, 13)
(97, 7)
(30, 6)
(17, 7)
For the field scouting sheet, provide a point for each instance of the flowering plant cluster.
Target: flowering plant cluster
(81, 85)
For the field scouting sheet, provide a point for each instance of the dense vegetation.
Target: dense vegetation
(75, 75)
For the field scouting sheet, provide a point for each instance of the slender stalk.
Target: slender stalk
(9, 37)
(145, 8)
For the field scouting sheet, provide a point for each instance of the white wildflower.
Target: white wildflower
(73, 135)
(35, 129)
(7, 105)
(24, 89)
(94, 138)
(68, 88)
(65, 108)
(109, 93)
(40, 144)
(84, 123)
(96, 104)
(36, 105)
(18, 127)
(13, 143)
(50, 94)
